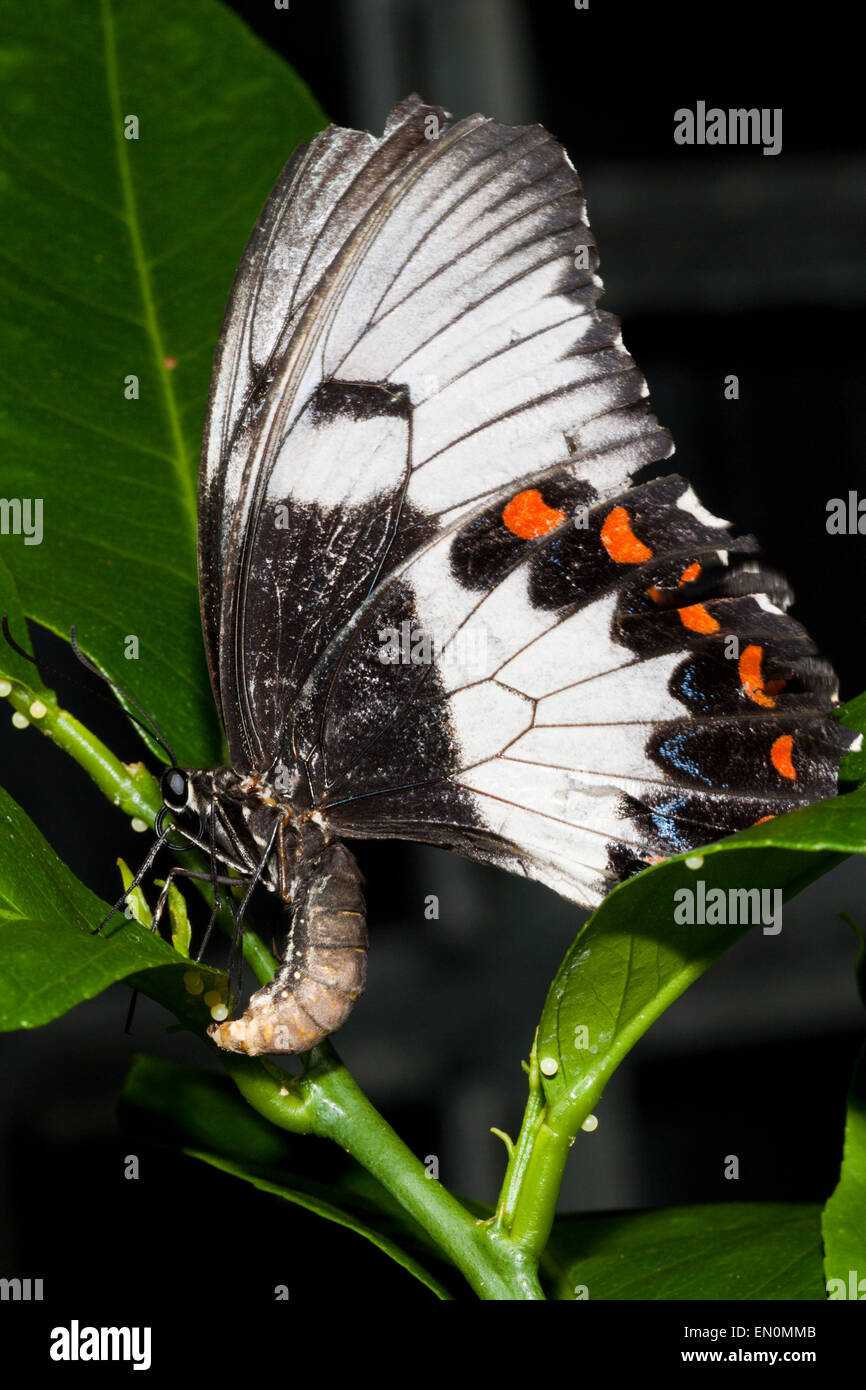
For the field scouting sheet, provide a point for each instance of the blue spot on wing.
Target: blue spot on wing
(664, 819)
(674, 751)
(690, 687)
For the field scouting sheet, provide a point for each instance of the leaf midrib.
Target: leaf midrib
(178, 456)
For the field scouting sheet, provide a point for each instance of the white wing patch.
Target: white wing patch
(641, 696)
(486, 718)
(574, 650)
(318, 458)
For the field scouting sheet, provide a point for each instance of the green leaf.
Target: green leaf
(853, 716)
(736, 1251)
(117, 256)
(205, 1116)
(632, 959)
(136, 902)
(844, 1218)
(50, 959)
(181, 929)
(178, 1106)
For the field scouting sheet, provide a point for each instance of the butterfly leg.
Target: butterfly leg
(199, 876)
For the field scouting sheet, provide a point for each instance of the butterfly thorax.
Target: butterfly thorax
(254, 826)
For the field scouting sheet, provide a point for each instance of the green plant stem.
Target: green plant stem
(515, 1171)
(127, 785)
(327, 1101)
(533, 1178)
(535, 1207)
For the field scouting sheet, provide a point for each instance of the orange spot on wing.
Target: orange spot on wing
(780, 755)
(761, 819)
(620, 541)
(689, 574)
(752, 680)
(528, 516)
(697, 619)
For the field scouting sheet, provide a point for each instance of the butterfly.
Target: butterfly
(437, 603)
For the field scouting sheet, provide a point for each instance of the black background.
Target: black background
(719, 261)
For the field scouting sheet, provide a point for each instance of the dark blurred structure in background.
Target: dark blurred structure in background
(719, 261)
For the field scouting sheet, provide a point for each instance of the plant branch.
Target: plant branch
(515, 1171)
(327, 1101)
(535, 1207)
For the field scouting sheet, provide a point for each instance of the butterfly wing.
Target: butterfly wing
(425, 573)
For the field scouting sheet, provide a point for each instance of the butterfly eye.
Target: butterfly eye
(174, 786)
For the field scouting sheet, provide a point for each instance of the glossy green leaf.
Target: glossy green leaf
(205, 1116)
(116, 262)
(136, 903)
(731, 1251)
(844, 1218)
(181, 928)
(50, 960)
(632, 959)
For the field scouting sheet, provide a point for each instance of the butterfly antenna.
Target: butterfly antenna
(149, 727)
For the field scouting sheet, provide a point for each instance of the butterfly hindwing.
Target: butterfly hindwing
(554, 712)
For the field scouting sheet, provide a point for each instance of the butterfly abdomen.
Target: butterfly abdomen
(324, 964)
